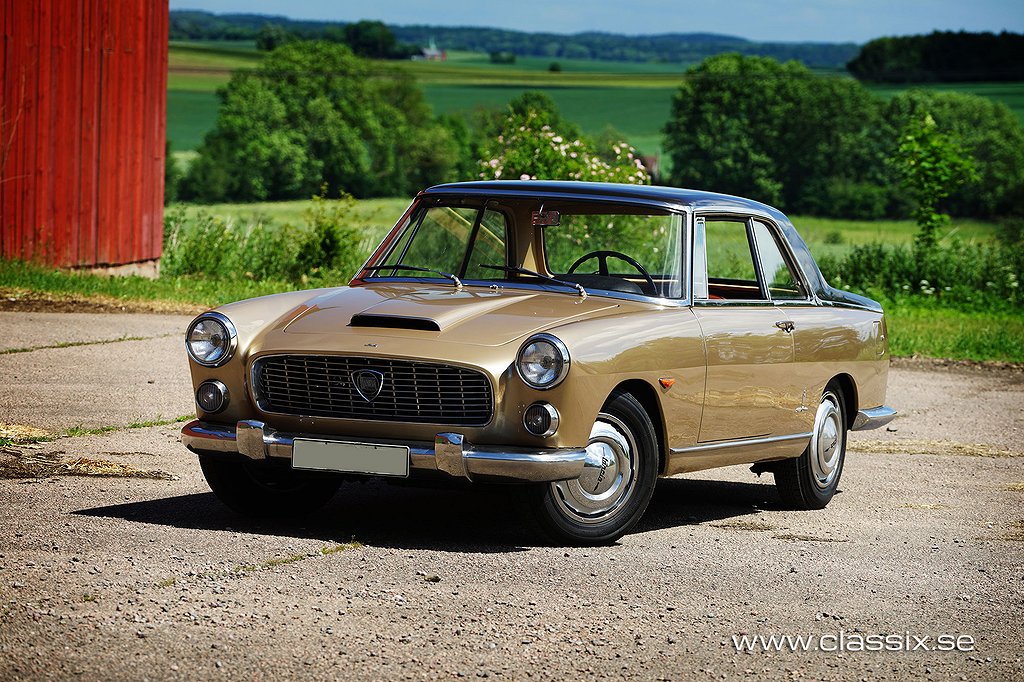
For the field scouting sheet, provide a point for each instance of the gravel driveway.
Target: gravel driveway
(146, 576)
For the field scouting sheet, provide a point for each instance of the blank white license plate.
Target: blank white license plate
(350, 458)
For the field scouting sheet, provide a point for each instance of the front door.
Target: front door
(751, 390)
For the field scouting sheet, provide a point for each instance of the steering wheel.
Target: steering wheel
(602, 265)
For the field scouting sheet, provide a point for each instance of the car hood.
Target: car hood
(474, 315)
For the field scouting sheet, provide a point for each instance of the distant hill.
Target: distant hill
(680, 48)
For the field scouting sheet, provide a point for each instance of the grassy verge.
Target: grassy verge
(924, 330)
(25, 281)
(12, 434)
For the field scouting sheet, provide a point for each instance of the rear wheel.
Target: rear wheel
(617, 481)
(262, 491)
(810, 480)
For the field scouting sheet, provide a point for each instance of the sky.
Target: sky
(760, 20)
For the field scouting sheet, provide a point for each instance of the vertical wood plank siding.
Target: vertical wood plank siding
(83, 99)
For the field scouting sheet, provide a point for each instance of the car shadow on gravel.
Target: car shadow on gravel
(459, 519)
(685, 502)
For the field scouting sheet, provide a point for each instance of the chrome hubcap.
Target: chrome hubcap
(827, 441)
(608, 477)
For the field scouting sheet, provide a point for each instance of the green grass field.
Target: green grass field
(632, 97)
(374, 217)
(190, 114)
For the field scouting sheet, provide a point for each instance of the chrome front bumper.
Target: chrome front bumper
(449, 454)
(873, 418)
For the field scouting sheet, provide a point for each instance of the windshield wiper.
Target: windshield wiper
(453, 278)
(523, 271)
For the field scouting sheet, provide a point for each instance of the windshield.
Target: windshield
(602, 247)
(635, 252)
(454, 239)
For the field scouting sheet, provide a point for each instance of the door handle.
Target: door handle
(785, 325)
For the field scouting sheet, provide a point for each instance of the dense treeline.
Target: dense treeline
(942, 56)
(822, 146)
(370, 39)
(672, 48)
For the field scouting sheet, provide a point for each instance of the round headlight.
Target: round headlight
(543, 361)
(211, 339)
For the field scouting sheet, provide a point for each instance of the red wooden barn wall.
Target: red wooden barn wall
(83, 90)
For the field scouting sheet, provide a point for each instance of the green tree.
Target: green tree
(777, 133)
(535, 143)
(988, 132)
(312, 115)
(271, 37)
(371, 39)
(930, 165)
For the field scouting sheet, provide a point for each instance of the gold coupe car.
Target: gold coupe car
(580, 339)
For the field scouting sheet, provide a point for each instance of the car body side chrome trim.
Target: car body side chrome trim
(449, 454)
(721, 445)
(873, 418)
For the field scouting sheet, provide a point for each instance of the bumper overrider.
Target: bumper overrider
(450, 454)
(873, 418)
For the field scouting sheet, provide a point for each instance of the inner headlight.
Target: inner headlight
(543, 361)
(211, 339)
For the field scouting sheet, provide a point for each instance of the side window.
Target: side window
(779, 278)
(730, 261)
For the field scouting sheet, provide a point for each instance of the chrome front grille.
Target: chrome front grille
(419, 392)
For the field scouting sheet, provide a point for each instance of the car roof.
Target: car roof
(606, 190)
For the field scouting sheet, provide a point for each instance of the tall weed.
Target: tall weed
(960, 273)
(325, 246)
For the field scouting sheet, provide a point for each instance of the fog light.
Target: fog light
(212, 396)
(541, 419)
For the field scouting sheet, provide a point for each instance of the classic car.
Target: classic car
(579, 339)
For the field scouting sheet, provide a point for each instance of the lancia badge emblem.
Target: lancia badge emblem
(368, 383)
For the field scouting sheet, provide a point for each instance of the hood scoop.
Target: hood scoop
(394, 322)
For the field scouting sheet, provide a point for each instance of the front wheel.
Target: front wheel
(617, 481)
(810, 480)
(262, 491)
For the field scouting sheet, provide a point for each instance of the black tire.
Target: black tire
(810, 480)
(561, 508)
(265, 491)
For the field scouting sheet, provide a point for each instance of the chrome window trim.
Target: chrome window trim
(232, 340)
(699, 280)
